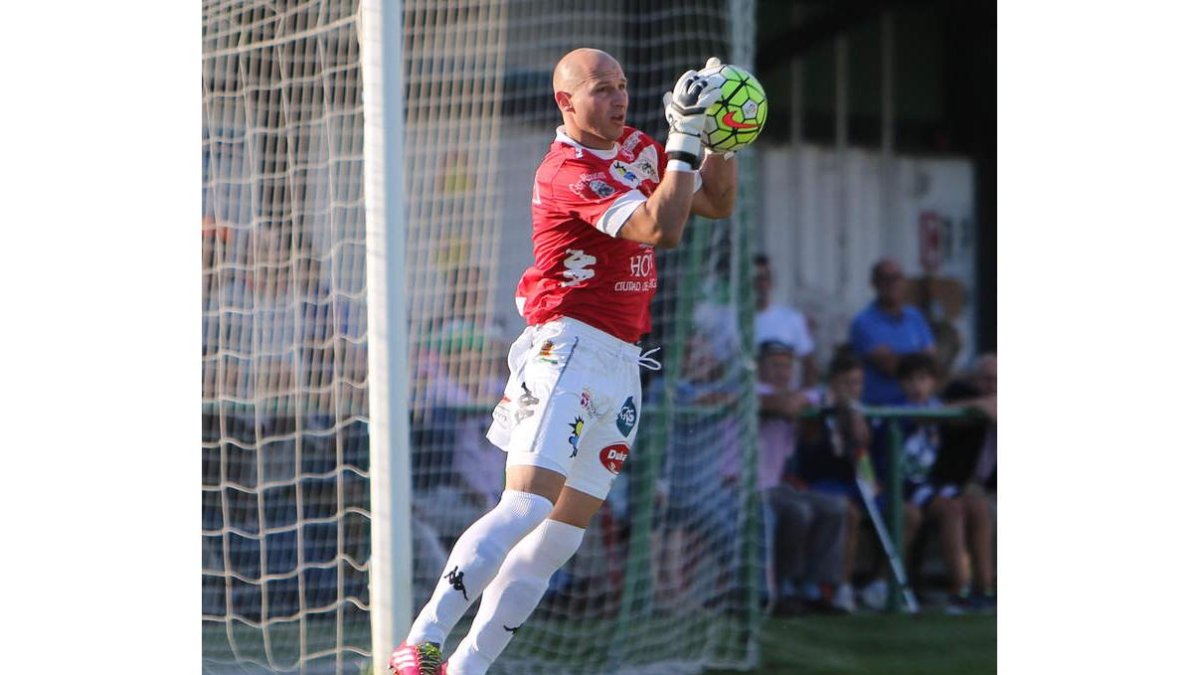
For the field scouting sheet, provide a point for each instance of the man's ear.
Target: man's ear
(563, 99)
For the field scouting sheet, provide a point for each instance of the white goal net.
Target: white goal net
(670, 576)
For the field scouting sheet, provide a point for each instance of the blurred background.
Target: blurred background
(880, 148)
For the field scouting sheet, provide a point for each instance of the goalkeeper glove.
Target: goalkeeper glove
(685, 108)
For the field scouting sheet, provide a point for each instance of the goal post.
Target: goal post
(382, 40)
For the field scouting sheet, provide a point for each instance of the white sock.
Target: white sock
(519, 586)
(474, 561)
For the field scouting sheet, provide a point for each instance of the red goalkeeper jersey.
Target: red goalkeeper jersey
(581, 269)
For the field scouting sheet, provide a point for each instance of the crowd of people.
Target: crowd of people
(821, 457)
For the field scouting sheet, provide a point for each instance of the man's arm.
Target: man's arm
(716, 196)
(660, 219)
(883, 358)
(789, 404)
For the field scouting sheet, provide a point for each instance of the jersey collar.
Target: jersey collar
(562, 137)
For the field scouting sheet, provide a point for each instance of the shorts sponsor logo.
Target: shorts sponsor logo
(546, 355)
(613, 457)
(576, 432)
(586, 402)
(627, 417)
(509, 414)
(525, 404)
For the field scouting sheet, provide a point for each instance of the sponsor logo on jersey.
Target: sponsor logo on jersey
(578, 267)
(627, 417)
(624, 173)
(635, 286)
(646, 164)
(593, 186)
(601, 189)
(613, 457)
(631, 142)
(576, 432)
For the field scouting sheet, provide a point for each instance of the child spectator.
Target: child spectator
(937, 496)
(826, 462)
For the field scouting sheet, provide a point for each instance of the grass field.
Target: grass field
(926, 644)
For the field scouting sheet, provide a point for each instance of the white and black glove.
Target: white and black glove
(710, 72)
(685, 107)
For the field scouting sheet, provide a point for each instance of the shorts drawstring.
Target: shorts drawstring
(648, 363)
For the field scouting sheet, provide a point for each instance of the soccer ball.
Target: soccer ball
(736, 119)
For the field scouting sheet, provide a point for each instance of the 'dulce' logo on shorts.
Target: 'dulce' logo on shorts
(613, 457)
(627, 418)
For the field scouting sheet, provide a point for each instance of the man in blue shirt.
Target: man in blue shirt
(886, 330)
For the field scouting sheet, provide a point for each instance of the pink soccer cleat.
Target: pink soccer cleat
(422, 659)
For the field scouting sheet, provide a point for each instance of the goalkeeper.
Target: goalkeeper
(604, 197)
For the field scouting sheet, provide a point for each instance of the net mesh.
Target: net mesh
(670, 575)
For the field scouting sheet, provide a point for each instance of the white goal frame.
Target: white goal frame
(381, 48)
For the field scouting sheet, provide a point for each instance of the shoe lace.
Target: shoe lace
(649, 363)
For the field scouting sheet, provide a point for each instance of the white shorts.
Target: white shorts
(572, 404)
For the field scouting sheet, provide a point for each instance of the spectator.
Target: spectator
(968, 458)
(780, 323)
(810, 526)
(938, 497)
(886, 330)
(826, 458)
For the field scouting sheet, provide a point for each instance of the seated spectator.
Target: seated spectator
(938, 496)
(777, 322)
(809, 526)
(968, 458)
(826, 458)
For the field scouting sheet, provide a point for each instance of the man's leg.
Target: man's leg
(794, 521)
(528, 499)
(521, 582)
(826, 543)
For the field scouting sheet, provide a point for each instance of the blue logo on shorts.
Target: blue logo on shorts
(627, 418)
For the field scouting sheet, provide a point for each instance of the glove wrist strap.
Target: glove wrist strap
(684, 147)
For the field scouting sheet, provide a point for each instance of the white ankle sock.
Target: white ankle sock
(508, 602)
(474, 561)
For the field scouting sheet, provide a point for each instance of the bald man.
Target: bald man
(886, 330)
(605, 196)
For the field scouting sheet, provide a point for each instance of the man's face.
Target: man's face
(847, 386)
(776, 369)
(599, 104)
(889, 283)
(918, 387)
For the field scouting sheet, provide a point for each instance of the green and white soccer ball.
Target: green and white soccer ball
(736, 119)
